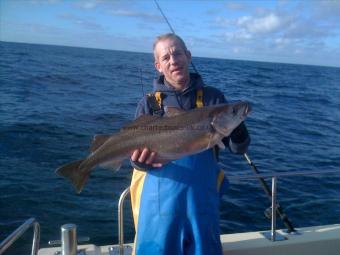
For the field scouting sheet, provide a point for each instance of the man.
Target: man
(176, 206)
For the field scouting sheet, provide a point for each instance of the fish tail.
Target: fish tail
(75, 174)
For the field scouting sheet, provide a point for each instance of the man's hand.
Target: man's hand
(145, 157)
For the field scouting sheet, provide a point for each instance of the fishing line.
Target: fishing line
(141, 80)
(172, 30)
(167, 21)
(265, 186)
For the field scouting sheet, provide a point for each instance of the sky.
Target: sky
(285, 31)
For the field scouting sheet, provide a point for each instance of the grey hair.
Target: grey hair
(168, 36)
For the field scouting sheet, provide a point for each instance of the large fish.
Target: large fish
(177, 134)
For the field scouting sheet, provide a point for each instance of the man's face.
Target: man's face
(173, 61)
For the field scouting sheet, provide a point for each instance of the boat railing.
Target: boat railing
(121, 219)
(16, 234)
(271, 235)
(120, 250)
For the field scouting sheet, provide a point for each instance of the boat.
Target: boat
(318, 240)
(313, 240)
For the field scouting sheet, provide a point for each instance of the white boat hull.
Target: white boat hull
(320, 240)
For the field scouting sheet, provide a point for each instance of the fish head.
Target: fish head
(230, 116)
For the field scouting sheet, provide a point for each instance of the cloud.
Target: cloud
(265, 24)
(137, 14)
(289, 30)
(84, 22)
(43, 1)
(33, 27)
(327, 9)
(252, 27)
(259, 24)
(236, 6)
(33, 33)
(90, 4)
(223, 22)
(232, 6)
(307, 29)
(273, 25)
(104, 4)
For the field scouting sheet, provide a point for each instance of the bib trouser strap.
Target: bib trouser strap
(199, 98)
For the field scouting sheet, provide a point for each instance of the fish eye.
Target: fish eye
(234, 111)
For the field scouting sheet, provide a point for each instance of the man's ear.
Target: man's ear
(158, 66)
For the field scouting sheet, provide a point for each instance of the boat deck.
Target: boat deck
(320, 240)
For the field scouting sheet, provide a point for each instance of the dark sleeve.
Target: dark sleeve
(139, 166)
(239, 140)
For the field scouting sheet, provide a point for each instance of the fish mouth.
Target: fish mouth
(247, 109)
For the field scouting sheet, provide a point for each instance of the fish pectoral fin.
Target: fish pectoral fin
(173, 111)
(74, 174)
(98, 140)
(112, 165)
(219, 128)
(216, 139)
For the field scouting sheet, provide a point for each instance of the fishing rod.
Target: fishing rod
(266, 189)
(264, 185)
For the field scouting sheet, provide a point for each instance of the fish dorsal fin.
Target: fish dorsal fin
(140, 121)
(173, 111)
(98, 140)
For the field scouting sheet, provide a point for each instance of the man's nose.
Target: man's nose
(173, 59)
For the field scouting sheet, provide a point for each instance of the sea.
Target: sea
(54, 99)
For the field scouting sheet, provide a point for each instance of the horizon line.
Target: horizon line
(142, 52)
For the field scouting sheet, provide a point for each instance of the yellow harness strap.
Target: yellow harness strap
(199, 104)
(158, 96)
(220, 178)
(199, 98)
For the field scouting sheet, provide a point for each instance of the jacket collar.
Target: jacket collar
(159, 84)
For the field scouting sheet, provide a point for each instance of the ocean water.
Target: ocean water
(54, 99)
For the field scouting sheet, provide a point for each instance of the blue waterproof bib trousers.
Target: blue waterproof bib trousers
(179, 208)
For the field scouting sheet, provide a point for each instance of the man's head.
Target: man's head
(172, 59)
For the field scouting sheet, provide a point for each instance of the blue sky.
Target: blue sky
(288, 31)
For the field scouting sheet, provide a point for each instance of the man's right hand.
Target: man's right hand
(145, 156)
